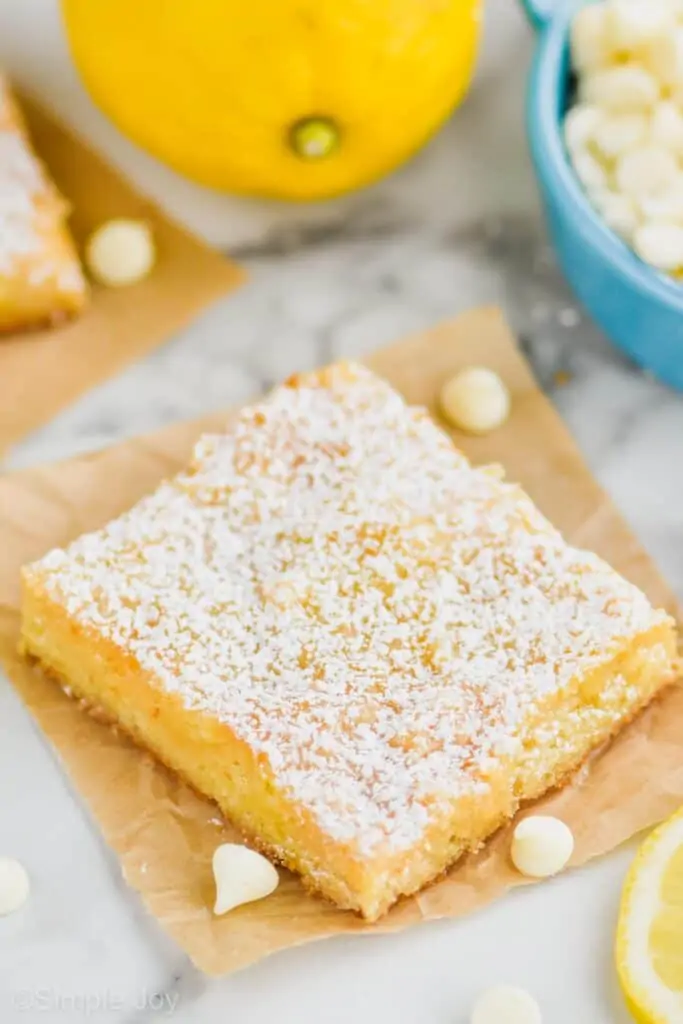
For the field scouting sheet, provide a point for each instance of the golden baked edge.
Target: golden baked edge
(205, 753)
(41, 284)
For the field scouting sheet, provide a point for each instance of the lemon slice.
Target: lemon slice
(649, 948)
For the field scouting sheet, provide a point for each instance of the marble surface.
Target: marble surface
(458, 226)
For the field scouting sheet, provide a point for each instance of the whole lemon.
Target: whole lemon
(296, 99)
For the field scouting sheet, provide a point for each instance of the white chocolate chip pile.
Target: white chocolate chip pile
(541, 846)
(506, 1004)
(120, 252)
(14, 885)
(624, 136)
(242, 876)
(475, 400)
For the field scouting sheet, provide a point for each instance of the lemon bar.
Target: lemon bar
(40, 275)
(367, 652)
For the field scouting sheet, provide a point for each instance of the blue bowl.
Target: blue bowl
(640, 309)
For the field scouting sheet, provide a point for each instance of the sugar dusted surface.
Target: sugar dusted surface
(23, 215)
(374, 617)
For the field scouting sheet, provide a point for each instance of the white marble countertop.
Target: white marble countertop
(458, 226)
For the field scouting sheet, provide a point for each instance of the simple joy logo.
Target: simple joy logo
(91, 1004)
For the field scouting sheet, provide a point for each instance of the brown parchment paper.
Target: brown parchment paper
(165, 834)
(43, 371)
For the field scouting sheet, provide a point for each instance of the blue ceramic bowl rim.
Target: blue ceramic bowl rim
(550, 157)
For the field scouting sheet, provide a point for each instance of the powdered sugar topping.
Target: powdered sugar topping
(23, 220)
(372, 616)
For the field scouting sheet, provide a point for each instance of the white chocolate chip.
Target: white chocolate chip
(663, 57)
(666, 128)
(588, 39)
(541, 846)
(619, 133)
(620, 213)
(241, 876)
(120, 252)
(475, 400)
(630, 25)
(648, 170)
(590, 171)
(660, 245)
(667, 207)
(14, 885)
(622, 87)
(506, 1004)
(580, 126)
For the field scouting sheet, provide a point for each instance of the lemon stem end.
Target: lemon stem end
(314, 138)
